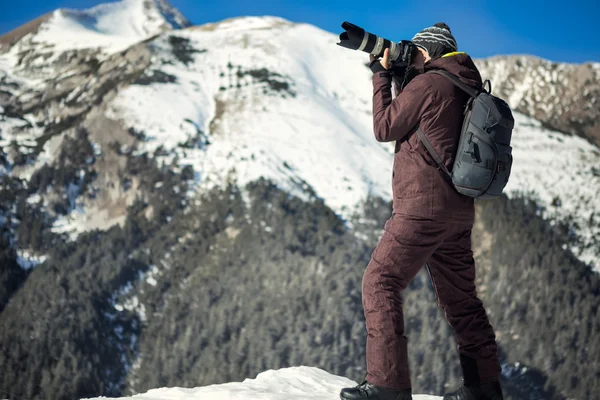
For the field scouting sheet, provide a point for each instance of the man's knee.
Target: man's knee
(378, 276)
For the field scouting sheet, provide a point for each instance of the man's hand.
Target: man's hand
(385, 61)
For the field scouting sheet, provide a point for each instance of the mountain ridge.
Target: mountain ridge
(564, 96)
(46, 42)
(223, 78)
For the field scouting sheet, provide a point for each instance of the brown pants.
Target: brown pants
(406, 245)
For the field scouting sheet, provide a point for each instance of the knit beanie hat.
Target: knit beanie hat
(437, 40)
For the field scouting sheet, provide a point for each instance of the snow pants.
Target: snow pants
(407, 244)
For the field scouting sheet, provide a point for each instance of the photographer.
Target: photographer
(430, 224)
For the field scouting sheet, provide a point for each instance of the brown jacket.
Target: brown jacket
(434, 103)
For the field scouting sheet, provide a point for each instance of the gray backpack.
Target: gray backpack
(483, 157)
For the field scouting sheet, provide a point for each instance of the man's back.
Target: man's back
(436, 105)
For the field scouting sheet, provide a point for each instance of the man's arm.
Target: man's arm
(394, 119)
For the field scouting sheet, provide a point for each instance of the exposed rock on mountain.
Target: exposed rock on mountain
(565, 97)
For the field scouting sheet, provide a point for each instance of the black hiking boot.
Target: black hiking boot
(486, 391)
(372, 392)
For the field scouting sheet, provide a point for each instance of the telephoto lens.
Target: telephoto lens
(356, 38)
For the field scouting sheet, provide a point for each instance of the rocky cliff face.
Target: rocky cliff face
(565, 97)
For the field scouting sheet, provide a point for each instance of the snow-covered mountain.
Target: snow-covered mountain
(259, 90)
(101, 30)
(299, 383)
(564, 96)
(246, 98)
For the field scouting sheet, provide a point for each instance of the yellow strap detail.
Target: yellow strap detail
(454, 53)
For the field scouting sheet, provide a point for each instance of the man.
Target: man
(430, 225)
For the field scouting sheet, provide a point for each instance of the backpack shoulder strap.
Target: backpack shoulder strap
(471, 91)
(433, 153)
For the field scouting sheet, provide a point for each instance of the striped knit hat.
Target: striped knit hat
(437, 40)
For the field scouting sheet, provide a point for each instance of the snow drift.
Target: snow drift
(294, 383)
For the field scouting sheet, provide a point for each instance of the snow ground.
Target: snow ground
(29, 261)
(294, 383)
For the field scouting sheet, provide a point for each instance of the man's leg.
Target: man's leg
(452, 271)
(401, 252)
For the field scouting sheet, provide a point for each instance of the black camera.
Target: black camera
(356, 38)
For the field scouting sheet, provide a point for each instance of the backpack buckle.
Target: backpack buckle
(468, 105)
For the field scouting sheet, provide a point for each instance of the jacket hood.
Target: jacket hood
(459, 64)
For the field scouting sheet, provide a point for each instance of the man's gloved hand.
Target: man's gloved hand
(378, 65)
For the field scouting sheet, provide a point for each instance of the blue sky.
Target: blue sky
(557, 30)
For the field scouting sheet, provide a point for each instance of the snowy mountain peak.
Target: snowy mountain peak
(300, 383)
(131, 18)
(105, 29)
